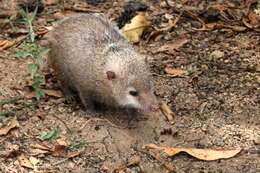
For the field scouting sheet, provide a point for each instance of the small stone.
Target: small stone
(217, 54)
(257, 141)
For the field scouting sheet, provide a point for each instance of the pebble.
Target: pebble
(217, 54)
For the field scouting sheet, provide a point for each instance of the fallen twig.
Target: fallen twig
(168, 166)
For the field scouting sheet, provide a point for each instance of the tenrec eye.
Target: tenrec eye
(133, 93)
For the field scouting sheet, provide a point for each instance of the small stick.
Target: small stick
(168, 166)
(167, 112)
(134, 161)
(62, 122)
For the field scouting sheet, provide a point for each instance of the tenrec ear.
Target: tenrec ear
(111, 75)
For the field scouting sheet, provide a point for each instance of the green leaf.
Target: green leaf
(33, 69)
(22, 54)
(32, 17)
(39, 61)
(32, 36)
(43, 51)
(52, 135)
(23, 13)
(38, 79)
(39, 93)
(76, 146)
(2, 92)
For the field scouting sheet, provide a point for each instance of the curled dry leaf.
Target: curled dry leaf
(35, 152)
(25, 162)
(40, 149)
(6, 44)
(54, 93)
(175, 72)
(41, 146)
(167, 112)
(134, 30)
(202, 154)
(72, 154)
(10, 125)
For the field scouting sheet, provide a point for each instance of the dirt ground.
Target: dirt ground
(215, 106)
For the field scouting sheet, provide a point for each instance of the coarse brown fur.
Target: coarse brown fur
(93, 59)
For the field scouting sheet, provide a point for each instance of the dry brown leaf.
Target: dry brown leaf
(254, 19)
(13, 152)
(34, 160)
(54, 93)
(58, 150)
(50, 2)
(15, 133)
(202, 154)
(35, 152)
(41, 115)
(7, 13)
(170, 48)
(72, 154)
(6, 44)
(235, 28)
(25, 162)
(219, 7)
(167, 112)
(10, 125)
(175, 71)
(30, 95)
(62, 142)
(41, 146)
(134, 30)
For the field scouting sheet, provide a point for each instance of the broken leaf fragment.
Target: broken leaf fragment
(10, 125)
(58, 150)
(202, 154)
(175, 72)
(134, 30)
(6, 44)
(25, 162)
(171, 48)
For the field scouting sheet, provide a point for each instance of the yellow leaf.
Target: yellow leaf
(134, 30)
